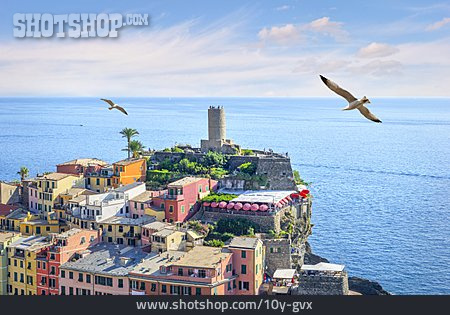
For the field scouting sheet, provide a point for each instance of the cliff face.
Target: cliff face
(360, 285)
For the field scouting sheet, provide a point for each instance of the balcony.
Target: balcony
(173, 197)
(132, 235)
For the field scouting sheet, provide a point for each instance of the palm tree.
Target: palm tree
(128, 133)
(23, 173)
(135, 147)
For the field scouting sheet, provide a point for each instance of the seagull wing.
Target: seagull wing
(108, 101)
(366, 113)
(121, 109)
(338, 90)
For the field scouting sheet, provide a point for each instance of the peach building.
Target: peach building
(101, 270)
(65, 246)
(200, 271)
(248, 262)
(80, 166)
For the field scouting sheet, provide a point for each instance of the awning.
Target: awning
(254, 207)
(230, 205)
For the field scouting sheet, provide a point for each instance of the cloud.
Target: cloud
(314, 65)
(327, 27)
(439, 24)
(378, 68)
(286, 34)
(283, 8)
(376, 50)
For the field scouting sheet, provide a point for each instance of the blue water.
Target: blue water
(381, 191)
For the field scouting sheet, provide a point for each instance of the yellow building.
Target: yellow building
(50, 186)
(99, 183)
(9, 193)
(37, 226)
(6, 238)
(156, 212)
(12, 221)
(121, 230)
(22, 255)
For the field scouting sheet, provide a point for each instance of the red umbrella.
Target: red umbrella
(305, 191)
(295, 195)
(214, 204)
(206, 204)
(230, 205)
(238, 206)
(246, 206)
(222, 204)
(263, 207)
(254, 207)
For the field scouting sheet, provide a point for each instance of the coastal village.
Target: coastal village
(213, 220)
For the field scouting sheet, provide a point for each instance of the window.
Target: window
(70, 275)
(180, 271)
(120, 283)
(88, 278)
(163, 288)
(153, 287)
(279, 250)
(109, 228)
(243, 254)
(52, 270)
(200, 188)
(109, 239)
(271, 250)
(170, 209)
(83, 240)
(80, 277)
(243, 269)
(202, 273)
(182, 209)
(120, 229)
(63, 273)
(63, 290)
(98, 181)
(198, 291)
(162, 205)
(246, 285)
(142, 286)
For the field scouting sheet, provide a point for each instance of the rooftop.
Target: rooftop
(263, 196)
(18, 214)
(203, 257)
(85, 162)
(128, 187)
(77, 191)
(4, 236)
(128, 221)
(151, 264)
(144, 197)
(244, 242)
(165, 232)
(6, 209)
(31, 243)
(185, 181)
(157, 225)
(113, 260)
(69, 233)
(323, 267)
(284, 274)
(128, 162)
(55, 176)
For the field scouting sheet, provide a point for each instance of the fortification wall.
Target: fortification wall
(278, 254)
(321, 285)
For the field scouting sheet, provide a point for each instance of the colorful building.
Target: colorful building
(248, 261)
(129, 171)
(33, 199)
(50, 186)
(33, 225)
(65, 246)
(12, 221)
(141, 204)
(101, 180)
(103, 270)
(80, 166)
(123, 231)
(22, 255)
(200, 271)
(182, 196)
(6, 238)
(9, 193)
(5, 210)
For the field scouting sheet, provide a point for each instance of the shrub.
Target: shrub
(247, 152)
(214, 159)
(218, 197)
(214, 243)
(236, 226)
(247, 168)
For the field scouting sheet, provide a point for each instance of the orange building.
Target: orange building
(129, 171)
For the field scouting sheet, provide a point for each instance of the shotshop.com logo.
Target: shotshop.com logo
(74, 25)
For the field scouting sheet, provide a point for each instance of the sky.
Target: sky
(235, 48)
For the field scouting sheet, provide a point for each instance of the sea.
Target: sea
(381, 192)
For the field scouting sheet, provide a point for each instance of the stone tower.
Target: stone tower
(217, 133)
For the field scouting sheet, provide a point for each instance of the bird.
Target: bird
(114, 106)
(353, 102)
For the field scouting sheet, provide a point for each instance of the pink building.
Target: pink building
(65, 246)
(33, 198)
(182, 196)
(150, 228)
(101, 270)
(80, 166)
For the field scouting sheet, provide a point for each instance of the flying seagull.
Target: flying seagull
(353, 101)
(114, 106)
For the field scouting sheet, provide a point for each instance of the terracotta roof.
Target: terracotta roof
(244, 242)
(127, 162)
(6, 209)
(84, 162)
(203, 257)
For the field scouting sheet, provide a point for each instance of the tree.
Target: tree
(128, 133)
(23, 173)
(135, 147)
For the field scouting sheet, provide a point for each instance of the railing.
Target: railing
(131, 235)
(173, 197)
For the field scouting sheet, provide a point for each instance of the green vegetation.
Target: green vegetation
(157, 179)
(247, 168)
(135, 147)
(247, 152)
(23, 172)
(226, 229)
(174, 149)
(214, 243)
(128, 133)
(218, 197)
(298, 180)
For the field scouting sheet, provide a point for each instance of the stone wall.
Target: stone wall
(321, 285)
(278, 254)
